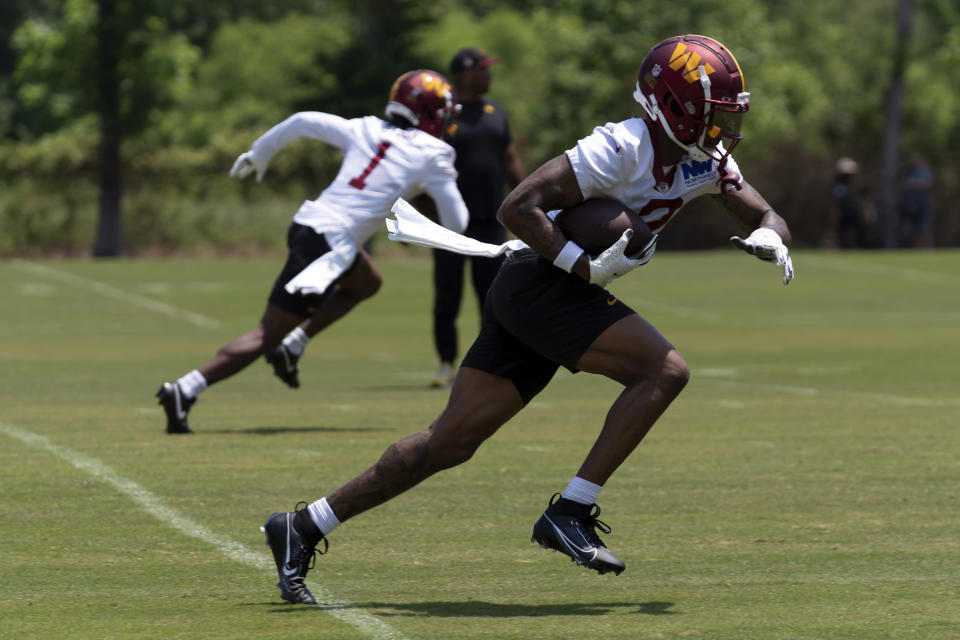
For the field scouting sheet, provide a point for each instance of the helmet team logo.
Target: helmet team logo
(689, 61)
(436, 84)
(691, 86)
(425, 99)
(423, 80)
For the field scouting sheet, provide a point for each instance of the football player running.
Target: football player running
(547, 307)
(327, 271)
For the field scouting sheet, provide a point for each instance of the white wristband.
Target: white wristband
(568, 256)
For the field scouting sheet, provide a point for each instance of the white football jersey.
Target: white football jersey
(618, 161)
(381, 162)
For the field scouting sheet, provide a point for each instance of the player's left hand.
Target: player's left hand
(766, 244)
(246, 163)
(614, 262)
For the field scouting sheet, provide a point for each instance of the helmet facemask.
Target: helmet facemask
(676, 91)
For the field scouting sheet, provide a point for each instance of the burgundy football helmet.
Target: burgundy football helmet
(425, 99)
(693, 88)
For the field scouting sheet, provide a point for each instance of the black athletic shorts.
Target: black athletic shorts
(304, 245)
(536, 318)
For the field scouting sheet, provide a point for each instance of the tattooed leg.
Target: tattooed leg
(402, 465)
(480, 403)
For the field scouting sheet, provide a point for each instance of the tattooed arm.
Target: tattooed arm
(552, 186)
(751, 211)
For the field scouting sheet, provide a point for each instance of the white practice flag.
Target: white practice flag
(414, 228)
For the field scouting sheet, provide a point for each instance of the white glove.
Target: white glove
(247, 162)
(613, 263)
(765, 243)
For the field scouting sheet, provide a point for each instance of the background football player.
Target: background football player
(327, 272)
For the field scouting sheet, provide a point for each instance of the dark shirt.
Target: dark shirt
(481, 136)
(916, 201)
(847, 200)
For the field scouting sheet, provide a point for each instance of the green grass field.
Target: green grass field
(805, 485)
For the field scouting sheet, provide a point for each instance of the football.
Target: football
(597, 223)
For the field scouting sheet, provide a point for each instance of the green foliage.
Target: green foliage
(44, 221)
(237, 87)
(932, 104)
(544, 82)
(48, 191)
(199, 81)
(56, 73)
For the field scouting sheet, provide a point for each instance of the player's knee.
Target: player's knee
(674, 374)
(669, 375)
(370, 286)
(250, 344)
(446, 452)
(452, 454)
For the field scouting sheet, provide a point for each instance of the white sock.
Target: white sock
(323, 516)
(192, 383)
(582, 491)
(296, 341)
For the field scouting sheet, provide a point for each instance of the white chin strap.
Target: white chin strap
(649, 104)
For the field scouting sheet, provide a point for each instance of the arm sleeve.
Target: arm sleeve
(441, 186)
(451, 209)
(327, 127)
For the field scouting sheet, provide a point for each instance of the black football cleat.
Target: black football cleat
(284, 365)
(177, 406)
(293, 553)
(571, 530)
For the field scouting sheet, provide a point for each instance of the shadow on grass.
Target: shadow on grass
(403, 388)
(480, 609)
(272, 431)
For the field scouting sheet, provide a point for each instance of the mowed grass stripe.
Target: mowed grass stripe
(116, 293)
(369, 626)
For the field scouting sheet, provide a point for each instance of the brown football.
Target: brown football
(597, 223)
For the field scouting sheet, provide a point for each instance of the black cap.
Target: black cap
(471, 58)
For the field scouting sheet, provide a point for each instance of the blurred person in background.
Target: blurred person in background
(328, 272)
(486, 159)
(916, 203)
(848, 226)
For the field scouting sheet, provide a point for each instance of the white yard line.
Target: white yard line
(110, 291)
(370, 626)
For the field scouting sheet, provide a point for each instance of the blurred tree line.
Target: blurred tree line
(140, 106)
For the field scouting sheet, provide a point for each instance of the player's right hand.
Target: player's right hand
(614, 263)
(246, 163)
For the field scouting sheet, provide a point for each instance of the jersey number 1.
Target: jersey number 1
(361, 180)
